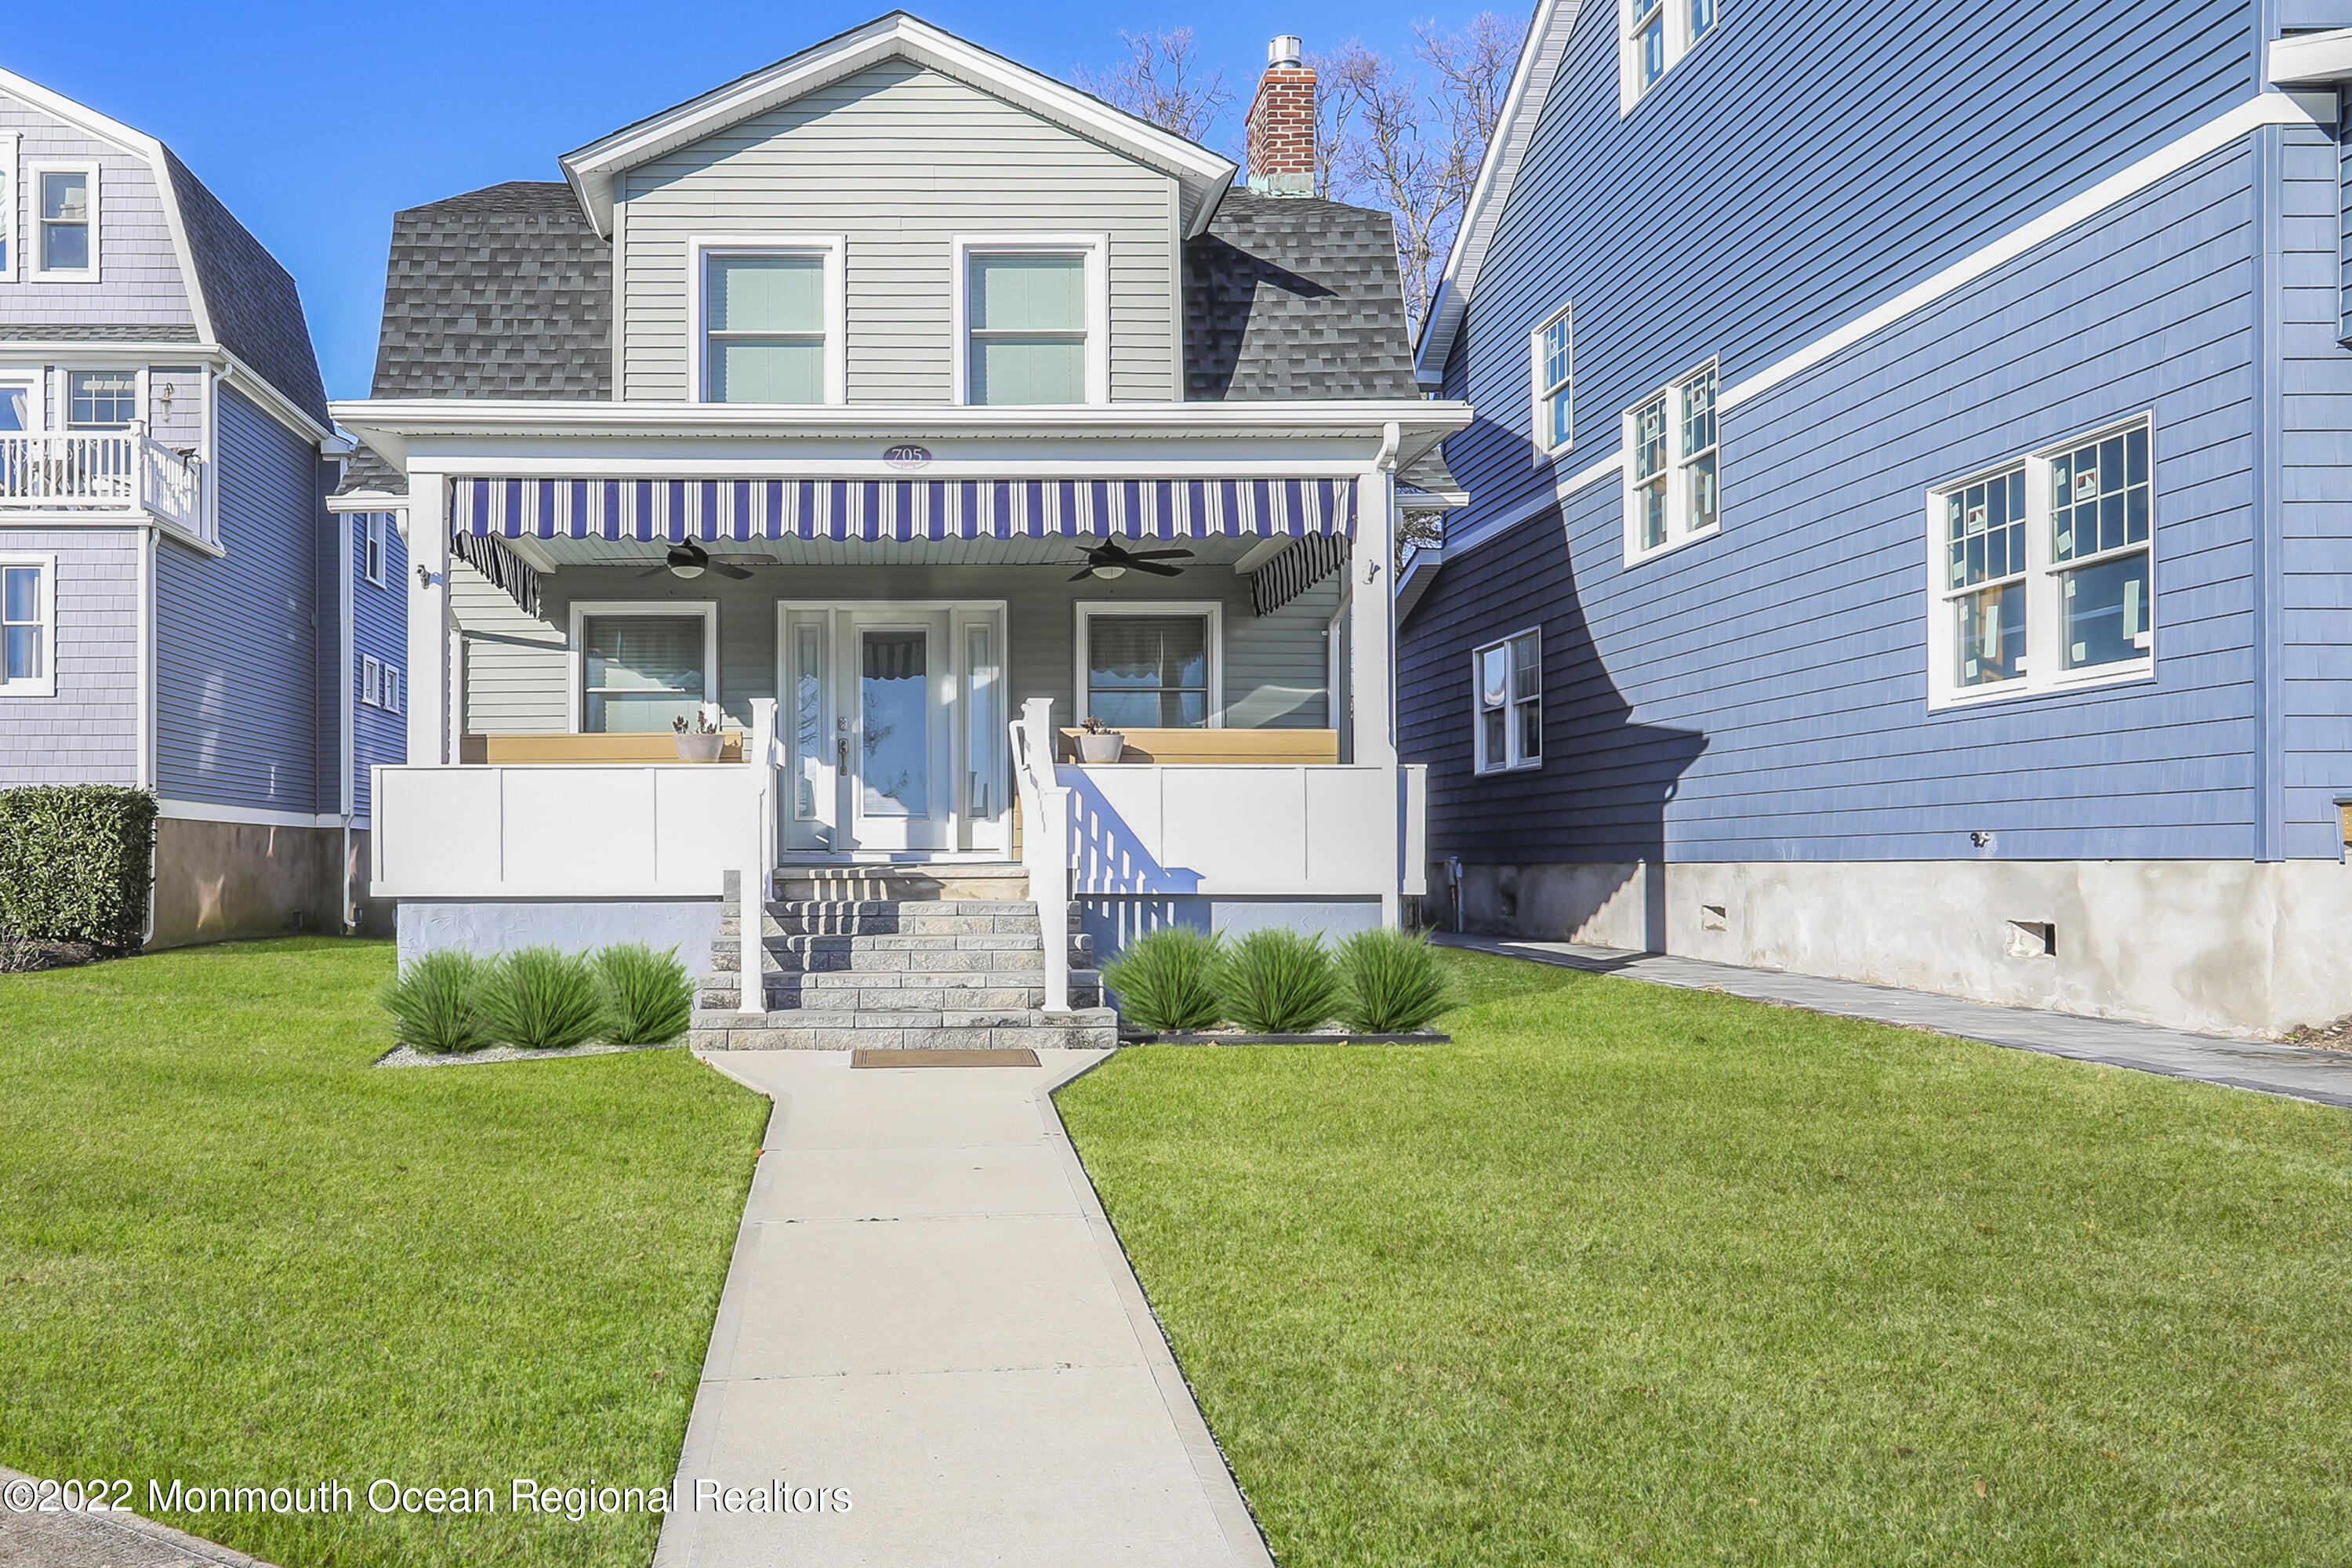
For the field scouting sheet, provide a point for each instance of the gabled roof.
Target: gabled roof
(1201, 175)
(1294, 297)
(241, 297)
(1531, 85)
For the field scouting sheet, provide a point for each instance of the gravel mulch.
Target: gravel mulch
(410, 1056)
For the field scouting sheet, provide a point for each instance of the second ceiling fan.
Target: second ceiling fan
(1108, 560)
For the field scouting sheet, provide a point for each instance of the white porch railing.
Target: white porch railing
(89, 472)
(1044, 841)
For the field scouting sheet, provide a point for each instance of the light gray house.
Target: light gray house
(898, 408)
(178, 610)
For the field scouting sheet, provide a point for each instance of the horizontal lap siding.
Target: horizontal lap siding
(237, 695)
(516, 674)
(899, 160)
(1786, 177)
(89, 732)
(1762, 694)
(139, 268)
(379, 628)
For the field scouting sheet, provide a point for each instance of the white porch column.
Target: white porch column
(1371, 650)
(434, 712)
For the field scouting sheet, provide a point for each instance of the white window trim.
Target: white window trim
(31, 207)
(833, 247)
(34, 379)
(1210, 610)
(575, 652)
(1539, 391)
(2044, 675)
(12, 186)
(1679, 44)
(46, 686)
(1679, 531)
(375, 552)
(391, 696)
(1479, 765)
(139, 394)
(1096, 249)
(371, 680)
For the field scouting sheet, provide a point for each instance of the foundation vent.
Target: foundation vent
(2032, 939)
(1714, 917)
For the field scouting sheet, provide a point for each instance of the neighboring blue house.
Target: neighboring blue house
(1909, 538)
(180, 612)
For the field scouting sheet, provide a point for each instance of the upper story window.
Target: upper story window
(102, 399)
(2042, 571)
(1551, 357)
(27, 626)
(1671, 491)
(374, 552)
(771, 321)
(65, 222)
(17, 407)
(7, 208)
(1032, 313)
(1655, 35)
(1509, 676)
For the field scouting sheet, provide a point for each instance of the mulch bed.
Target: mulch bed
(26, 955)
(2335, 1036)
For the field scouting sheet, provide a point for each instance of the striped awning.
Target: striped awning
(900, 509)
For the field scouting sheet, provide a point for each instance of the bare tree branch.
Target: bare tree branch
(1162, 80)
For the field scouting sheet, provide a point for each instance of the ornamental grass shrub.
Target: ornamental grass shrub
(542, 998)
(1167, 981)
(1390, 983)
(1275, 982)
(435, 1004)
(648, 999)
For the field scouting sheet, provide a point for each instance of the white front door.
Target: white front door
(891, 713)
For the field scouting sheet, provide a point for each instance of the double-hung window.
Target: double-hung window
(1552, 358)
(1671, 469)
(1654, 35)
(1032, 321)
(1150, 667)
(643, 667)
(372, 559)
(8, 246)
(2041, 571)
(28, 618)
(102, 399)
(772, 328)
(65, 222)
(1508, 678)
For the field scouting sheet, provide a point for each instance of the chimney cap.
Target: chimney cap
(1286, 50)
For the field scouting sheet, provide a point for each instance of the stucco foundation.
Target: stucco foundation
(491, 926)
(217, 882)
(2219, 946)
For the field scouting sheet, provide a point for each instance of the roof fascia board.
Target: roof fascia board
(1204, 175)
(1540, 58)
(2311, 60)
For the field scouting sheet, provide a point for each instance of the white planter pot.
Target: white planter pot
(1102, 748)
(694, 748)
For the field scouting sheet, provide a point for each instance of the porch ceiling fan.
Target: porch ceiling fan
(688, 559)
(1108, 560)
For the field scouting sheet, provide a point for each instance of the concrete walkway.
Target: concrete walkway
(928, 1309)
(110, 1540)
(2295, 1071)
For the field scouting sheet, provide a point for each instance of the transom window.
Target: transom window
(1551, 354)
(1672, 496)
(765, 331)
(1031, 328)
(1508, 676)
(27, 627)
(1148, 671)
(1656, 35)
(67, 212)
(2044, 571)
(643, 670)
(102, 399)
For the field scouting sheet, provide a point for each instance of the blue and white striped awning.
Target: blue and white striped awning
(900, 509)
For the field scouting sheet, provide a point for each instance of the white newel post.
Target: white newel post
(1372, 651)
(760, 857)
(1046, 846)
(432, 705)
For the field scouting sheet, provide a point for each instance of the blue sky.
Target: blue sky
(315, 123)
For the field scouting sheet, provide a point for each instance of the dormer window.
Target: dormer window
(65, 223)
(1033, 309)
(771, 321)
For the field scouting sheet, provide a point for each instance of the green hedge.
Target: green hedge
(77, 863)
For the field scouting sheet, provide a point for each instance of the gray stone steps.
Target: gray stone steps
(896, 993)
(1089, 1028)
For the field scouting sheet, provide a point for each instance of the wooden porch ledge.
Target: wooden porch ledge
(654, 746)
(1166, 747)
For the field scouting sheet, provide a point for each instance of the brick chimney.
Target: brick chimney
(1282, 124)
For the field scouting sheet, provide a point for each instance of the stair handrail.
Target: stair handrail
(1045, 842)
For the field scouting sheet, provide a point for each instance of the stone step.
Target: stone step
(932, 879)
(847, 994)
(805, 922)
(725, 960)
(1089, 1029)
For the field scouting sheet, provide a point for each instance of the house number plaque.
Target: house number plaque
(908, 456)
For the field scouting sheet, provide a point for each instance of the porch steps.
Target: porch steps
(887, 957)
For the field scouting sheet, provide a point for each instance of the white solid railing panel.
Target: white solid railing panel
(760, 759)
(1243, 829)
(1044, 841)
(83, 471)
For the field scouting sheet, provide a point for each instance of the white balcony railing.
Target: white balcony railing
(98, 473)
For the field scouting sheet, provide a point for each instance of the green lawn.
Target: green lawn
(1633, 1275)
(231, 1252)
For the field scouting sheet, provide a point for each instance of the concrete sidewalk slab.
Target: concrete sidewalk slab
(31, 1538)
(929, 1309)
(2298, 1072)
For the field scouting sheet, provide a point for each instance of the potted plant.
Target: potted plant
(698, 741)
(1098, 742)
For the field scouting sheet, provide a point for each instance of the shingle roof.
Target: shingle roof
(364, 470)
(97, 332)
(256, 312)
(1294, 297)
(503, 292)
